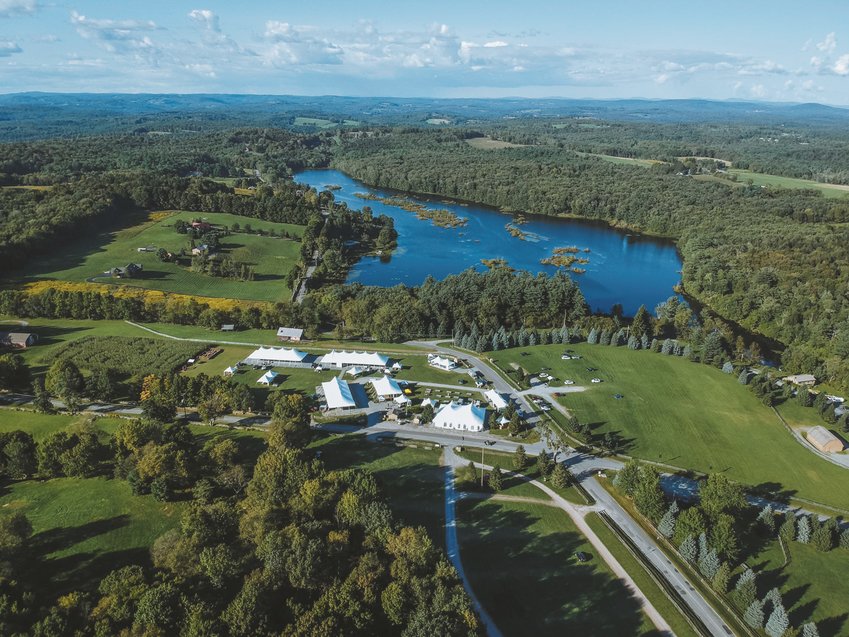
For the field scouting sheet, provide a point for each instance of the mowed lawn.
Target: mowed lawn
(87, 259)
(777, 181)
(409, 477)
(688, 415)
(814, 584)
(520, 559)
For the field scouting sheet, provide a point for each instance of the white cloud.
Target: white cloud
(118, 36)
(206, 17)
(293, 45)
(758, 91)
(841, 66)
(829, 44)
(495, 44)
(10, 8)
(8, 48)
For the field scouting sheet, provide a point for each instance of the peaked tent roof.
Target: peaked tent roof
(495, 398)
(372, 359)
(279, 354)
(453, 414)
(337, 393)
(268, 377)
(386, 386)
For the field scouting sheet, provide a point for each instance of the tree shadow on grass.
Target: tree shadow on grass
(832, 626)
(774, 491)
(532, 583)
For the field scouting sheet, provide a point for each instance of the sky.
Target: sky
(780, 50)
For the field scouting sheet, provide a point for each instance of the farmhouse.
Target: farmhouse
(277, 357)
(442, 363)
(805, 380)
(130, 271)
(496, 399)
(290, 334)
(268, 377)
(17, 340)
(369, 360)
(386, 387)
(460, 417)
(337, 393)
(824, 440)
(203, 226)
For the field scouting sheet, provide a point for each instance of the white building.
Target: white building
(442, 363)
(277, 357)
(291, 334)
(337, 394)
(801, 379)
(268, 377)
(230, 371)
(370, 360)
(386, 387)
(496, 399)
(460, 417)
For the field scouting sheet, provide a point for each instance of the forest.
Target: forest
(770, 260)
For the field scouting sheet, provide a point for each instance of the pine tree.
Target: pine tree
(709, 564)
(633, 342)
(627, 477)
(544, 464)
(520, 458)
(605, 337)
(592, 337)
(642, 322)
(667, 347)
(743, 378)
(655, 345)
(689, 549)
(565, 337)
(804, 534)
(560, 477)
(754, 615)
(644, 341)
(778, 622)
(773, 596)
(823, 538)
(666, 527)
(844, 539)
(496, 479)
(495, 342)
(810, 630)
(766, 518)
(703, 545)
(532, 339)
(787, 532)
(746, 591)
(721, 578)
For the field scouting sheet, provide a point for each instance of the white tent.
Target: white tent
(462, 417)
(268, 377)
(397, 366)
(496, 399)
(354, 371)
(402, 400)
(442, 363)
(230, 371)
(346, 359)
(504, 420)
(337, 393)
(431, 402)
(385, 387)
(275, 356)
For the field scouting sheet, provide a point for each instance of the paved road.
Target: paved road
(452, 544)
(576, 513)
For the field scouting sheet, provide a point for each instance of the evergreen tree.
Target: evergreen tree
(743, 378)
(41, 397)
(721, 578)
(592, 337)
(778, 622)
(565, 337)
(627, 477)
(689, 550)
(766, 518)
(745, 591)
(520, 458)
(703, 546)
(709, 564)
(754, 615)
(655, 345)
(823, 538)
(667, 347)
(633, 342)
(544, 464)
(644, 341)
(560, 476)
(641, 324)
(495, 342)
(648, 496)
(787, 532)
(810, 630)
(480, 346)
(605, 337)
(803, 536)
(666, 527)
(844, 539)
(496, 479)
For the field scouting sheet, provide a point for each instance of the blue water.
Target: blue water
(623, 268)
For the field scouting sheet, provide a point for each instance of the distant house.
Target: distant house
(805, 380)
(201, 225)
(129, 271)
(291, 334)
(17, 340)
(199, 250)
(228, 327)
(460, 417)
(824, 440)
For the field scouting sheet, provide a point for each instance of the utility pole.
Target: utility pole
(482, 450)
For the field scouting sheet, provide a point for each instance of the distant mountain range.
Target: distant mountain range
(30, 115)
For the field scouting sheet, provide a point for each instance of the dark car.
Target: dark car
(582, 557)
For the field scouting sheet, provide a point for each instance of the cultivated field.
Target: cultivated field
(687, 415)
(487, 143)
(760, 179)
(89, 258)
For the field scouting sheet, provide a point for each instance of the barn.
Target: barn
(824, 440)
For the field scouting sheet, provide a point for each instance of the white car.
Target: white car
(568, 382)
(596, 380)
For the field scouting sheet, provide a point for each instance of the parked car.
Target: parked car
(596, 380)
(568, 382)
(582, 557)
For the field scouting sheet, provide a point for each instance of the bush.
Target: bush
(161, 490)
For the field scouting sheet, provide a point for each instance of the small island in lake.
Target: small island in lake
(565, 258)
(441, 217)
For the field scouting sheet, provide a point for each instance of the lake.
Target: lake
(623, 268)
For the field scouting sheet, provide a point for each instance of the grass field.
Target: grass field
(88, 258)
(487, 143)
(776, 181)
(645, 583)
(411, 478)
(687, 415)
(520, 560)
(627, 161)
(813, 585)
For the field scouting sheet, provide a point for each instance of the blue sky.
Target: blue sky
(780, 50)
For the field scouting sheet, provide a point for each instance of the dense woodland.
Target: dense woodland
(771, 260)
